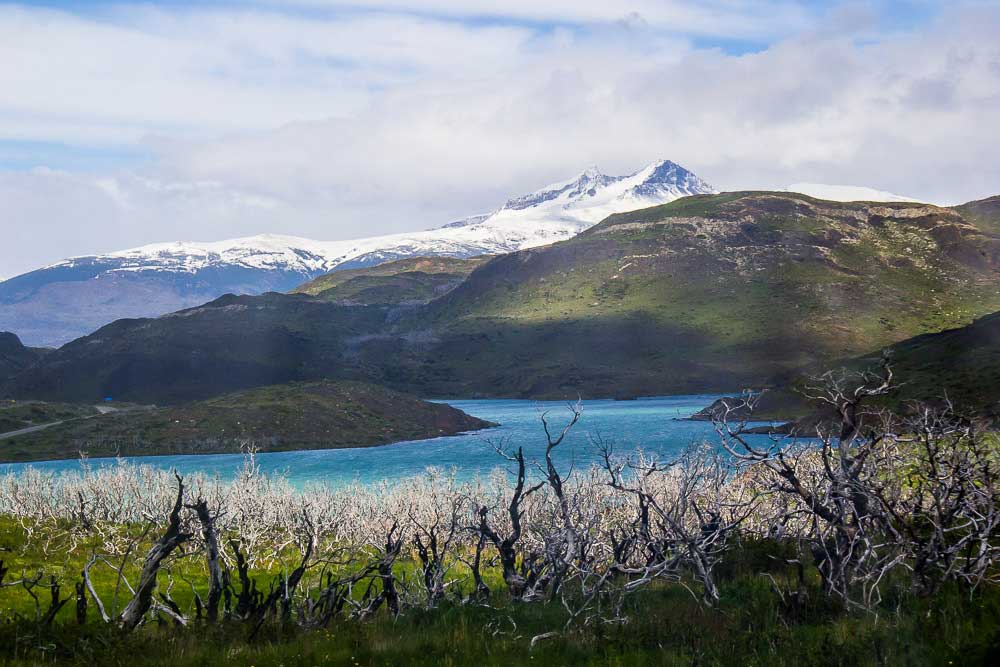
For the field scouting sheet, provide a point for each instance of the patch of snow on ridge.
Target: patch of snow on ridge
(846, 193)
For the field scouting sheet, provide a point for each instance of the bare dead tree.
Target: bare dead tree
(519, 576)
(174, 536)
(81, 603)
(248, 598)
(882, 491)
(335, 595)
(45, 616)
(943, 505)
(284, 592)
(142, 599)
(434, 536)
(211, 545)
(480, 591)
(692, 521)
(564, 551)
(382, 588)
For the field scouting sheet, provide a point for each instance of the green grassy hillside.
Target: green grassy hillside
(712, 292)
(708, 293)
(16, 415)
(315, 415)
(984, 213)
(962, 365)
(405, 281)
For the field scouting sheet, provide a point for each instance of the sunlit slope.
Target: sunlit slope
(708, 293)
(711, 290)
(984, 213)
(404, 281)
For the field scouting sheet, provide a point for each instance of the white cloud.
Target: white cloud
(346, 122)
(747, 19)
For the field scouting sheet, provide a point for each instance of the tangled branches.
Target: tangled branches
(879, 499)
(879, 492)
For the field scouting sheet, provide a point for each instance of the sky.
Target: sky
(129, 123)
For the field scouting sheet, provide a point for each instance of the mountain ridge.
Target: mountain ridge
(707, 293)
(65, 300)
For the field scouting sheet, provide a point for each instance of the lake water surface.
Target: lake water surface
(651, 424)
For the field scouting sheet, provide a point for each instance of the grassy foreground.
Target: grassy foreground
(753, 625)
(669, 628)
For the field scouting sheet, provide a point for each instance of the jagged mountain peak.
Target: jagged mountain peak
(584, 182)
(661, 181)
(666, 175)
(665, 171)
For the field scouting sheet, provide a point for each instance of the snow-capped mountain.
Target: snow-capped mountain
(71, 298)
(556, 212)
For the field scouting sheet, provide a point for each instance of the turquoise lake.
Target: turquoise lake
(654, 425)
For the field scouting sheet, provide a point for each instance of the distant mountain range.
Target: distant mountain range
(58, 303)
(706, 293)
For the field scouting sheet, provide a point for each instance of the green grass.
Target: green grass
(15, 415)
(985, 213)
(426, 272)
(409, 288)
(313, 415)
(668, 629)
(727, 202)
(666, 626)
(762, 285)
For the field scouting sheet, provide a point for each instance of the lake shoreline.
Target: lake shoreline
(653, 424)
(278, 418)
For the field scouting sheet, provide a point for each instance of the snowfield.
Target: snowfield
(553, 213)
(847, 193)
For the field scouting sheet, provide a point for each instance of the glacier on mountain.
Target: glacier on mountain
(58, 303)
(551, 214)
(846, 193)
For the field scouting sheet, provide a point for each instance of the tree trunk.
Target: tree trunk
(215, 583)
(140, 603)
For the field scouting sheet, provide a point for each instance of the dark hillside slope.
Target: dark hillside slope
(14, 356)
(312, 415)
(962, 365)
(707, 293)
(57, 304)
(228, 344)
